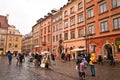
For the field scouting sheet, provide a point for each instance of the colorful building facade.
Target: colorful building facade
(57, 32)
(14, 40)
(45, 33)
(36, 37)
(27, 46)
(103, 28)
(73, 25)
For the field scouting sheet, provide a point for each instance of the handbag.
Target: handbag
(42, 65)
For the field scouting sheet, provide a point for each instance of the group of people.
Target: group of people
(19, 58)
(65, 57)
(82, 62)
(42, 60)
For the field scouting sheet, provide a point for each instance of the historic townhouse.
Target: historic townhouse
(73, 25)
(27, 43)
(14, 40)
(3, 33)
(45, 33)
(103, 27)
(36, 37)
(57, 32)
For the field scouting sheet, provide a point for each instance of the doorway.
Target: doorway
(108, 50)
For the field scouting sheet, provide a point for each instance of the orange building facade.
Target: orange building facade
(46, 33)
(57, 32)
(73, 25)
(103, 27)
(36, 37)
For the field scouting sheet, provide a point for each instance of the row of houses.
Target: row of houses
(93, 25)
(10, 37)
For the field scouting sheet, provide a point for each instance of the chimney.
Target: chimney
(7, 15)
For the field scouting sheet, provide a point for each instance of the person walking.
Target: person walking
(100, 60)
(111, 60)
(9, 57)
(78, 61)
(92, 64)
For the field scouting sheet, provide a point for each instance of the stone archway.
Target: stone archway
(108, 50)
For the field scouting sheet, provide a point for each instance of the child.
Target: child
(82, 72)
(17, 60)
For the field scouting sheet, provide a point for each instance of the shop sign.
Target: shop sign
(117, 43)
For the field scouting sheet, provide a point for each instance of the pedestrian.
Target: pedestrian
(69, 56)
(78, 61)
(9, 57)
(100, 60)
(17, 60)
(92, 64)
(111, 60)
(85, 63)
(82, 70)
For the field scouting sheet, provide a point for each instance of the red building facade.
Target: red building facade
(103, 27)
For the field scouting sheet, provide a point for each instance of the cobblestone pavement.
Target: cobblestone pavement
(58, 71)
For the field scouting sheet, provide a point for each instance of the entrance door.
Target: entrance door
(108, 50)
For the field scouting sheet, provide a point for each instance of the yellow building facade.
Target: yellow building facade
(14, 40)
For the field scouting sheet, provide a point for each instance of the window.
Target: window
(72, 21)
(48, 28)
(44, 30)
(115, 3)
(73, 35)
(80, 18)
(103, 7)
(60, 26)
(10, 38)
(49, 37)
(57, 27)
(104, 26)
(10, 45)
(80, 33)
(66, 36)
(56, 37)
(53, 28)
(90, 13)
(41, 31)
(66, 24)
(1, 43)
(91, 29)
(53, 38)
(16, 39)
(65, 13)
(93, 48)
(72, 10)
(60, 36)
(116, 23)
(10, 32)
(16, 45)
(80, 5)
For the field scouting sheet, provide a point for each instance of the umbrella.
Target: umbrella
(78, 49)
(44, 52)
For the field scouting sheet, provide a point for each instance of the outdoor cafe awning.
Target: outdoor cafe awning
(78, 49)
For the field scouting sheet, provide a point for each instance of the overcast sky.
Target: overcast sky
(24, 13)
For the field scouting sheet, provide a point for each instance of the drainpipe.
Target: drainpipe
(85, 27)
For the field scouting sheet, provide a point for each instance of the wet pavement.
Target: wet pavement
(58, 71)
